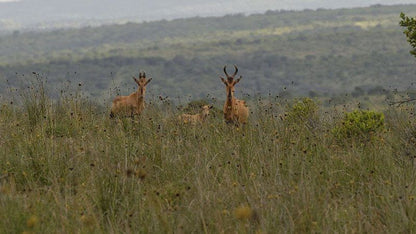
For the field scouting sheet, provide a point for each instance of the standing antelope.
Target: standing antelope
(235, 110)
(197, 118)
(134, 103)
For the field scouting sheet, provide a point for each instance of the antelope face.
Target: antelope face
(230, 81)
(205, 110)
(142, 82)
(229, 88)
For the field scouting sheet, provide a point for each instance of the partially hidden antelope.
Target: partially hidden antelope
(134, 103)
(235, 110)
(197, 118)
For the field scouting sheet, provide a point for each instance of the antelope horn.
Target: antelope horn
(225, 71)
(236, 70)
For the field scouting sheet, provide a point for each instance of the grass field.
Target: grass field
(65, 167)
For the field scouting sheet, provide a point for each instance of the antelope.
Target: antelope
(134, 103)
(235, 110)
(197, 118)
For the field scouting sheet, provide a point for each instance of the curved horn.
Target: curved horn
(225, 71)
(236, 70)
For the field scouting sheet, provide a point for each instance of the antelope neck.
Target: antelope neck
(140, 96)
(230, 100)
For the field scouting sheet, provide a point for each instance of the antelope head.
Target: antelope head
(205, 110)
(230, 82)
(142, 82)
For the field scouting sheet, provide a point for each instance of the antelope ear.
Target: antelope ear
(136, 80)
(210, 106)
(223, 80)
(238, 80)
(147, 82)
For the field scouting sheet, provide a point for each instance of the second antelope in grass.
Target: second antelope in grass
(198, 118)
(134, 103)
(235, 110)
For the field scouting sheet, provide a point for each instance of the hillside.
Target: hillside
(322, 52)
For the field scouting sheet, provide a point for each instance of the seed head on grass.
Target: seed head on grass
(129, 172)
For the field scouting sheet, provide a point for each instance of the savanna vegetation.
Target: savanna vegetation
(329, 163)
(296, 166)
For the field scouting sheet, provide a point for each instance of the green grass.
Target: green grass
(65, 167)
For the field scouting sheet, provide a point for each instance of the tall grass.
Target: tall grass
(65, 167)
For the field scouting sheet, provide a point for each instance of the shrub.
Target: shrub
(303, 110)
(359, 124)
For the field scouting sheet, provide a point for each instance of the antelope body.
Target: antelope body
(197, 118)
(134, 103)
(235, 110)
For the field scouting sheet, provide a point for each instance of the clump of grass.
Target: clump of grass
(35, 100)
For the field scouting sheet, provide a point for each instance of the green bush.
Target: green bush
(303, 110)
(359, 124)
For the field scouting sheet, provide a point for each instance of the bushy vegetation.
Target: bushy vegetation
(360, 124)
(409, 24)
(303, 110)
(75, 170)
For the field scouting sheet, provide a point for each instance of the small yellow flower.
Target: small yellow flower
(259, 231)
(141, 174)
(32, 221)
(4, 190)
(243, 212)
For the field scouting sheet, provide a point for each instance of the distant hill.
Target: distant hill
(285, 53)
(49, 14)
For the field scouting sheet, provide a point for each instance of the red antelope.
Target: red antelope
(198, 118)
(235, 110)
(134, 103)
